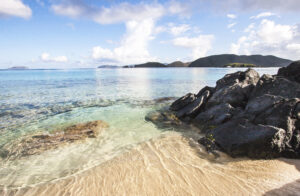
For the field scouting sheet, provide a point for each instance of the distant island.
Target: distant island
(18, 68)
(223, 60)
(108, 66)
(240, 65)
(148, 65)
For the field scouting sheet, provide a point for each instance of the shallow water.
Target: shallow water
(35, 101)
(173, 164)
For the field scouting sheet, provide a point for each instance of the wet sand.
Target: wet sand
(175, 165)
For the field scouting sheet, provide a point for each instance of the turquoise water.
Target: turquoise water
(34, 101)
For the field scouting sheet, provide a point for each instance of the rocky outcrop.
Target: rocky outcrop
(292, 72)
(248, 115)
(39, 143)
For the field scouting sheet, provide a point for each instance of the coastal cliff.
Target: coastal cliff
(245, 114)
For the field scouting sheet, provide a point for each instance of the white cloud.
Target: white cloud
(229, 26)
(231, 16)
(235, 48)
(45, 57)
(71, 10)
(108, 15)
(294, 47)
(271, 33)
(200, 45)
(60, 59)
(269, 38)
(254, 5)
(134, 45)
(14, 8)
(249, 28)
(102, 53)
(140, 22)
(182, 9)
(177, 30)
(263, 15)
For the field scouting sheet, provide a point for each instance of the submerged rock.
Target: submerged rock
(248, 115)
(37, 144)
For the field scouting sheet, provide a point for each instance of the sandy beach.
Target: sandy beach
(176, 165)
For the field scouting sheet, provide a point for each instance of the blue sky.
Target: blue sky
(78, 33)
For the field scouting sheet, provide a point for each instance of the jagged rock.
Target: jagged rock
(248, 77)
(206, 88)
(281, 115)
(234, 88)
(261, 103)
(245, 115)
(240, 137)
(182, 102)
(195, 107)
(37, 144)
(292, 72)
(214, 115)
(277, 86)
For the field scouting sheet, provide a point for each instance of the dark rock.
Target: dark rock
(214, 115)
(240, 137)
(248, 116)
(277, 86)
(261, 103)
(248, 77)
(192, 109)
(291, 72)
(234, 88)
(206, 88)
(279, 115)
(182, 102)
(209, 143)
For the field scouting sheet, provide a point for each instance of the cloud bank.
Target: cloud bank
(14, 8)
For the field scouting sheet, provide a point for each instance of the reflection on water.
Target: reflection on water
(39, 101)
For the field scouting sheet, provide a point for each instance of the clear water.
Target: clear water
(41, 100)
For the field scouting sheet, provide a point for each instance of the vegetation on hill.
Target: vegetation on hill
(149, 65)
(178, 64)
(240, 65)
(221, 60)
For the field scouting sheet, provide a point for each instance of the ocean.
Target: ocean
(131, 156)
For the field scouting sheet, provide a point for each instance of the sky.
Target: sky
(89, 33)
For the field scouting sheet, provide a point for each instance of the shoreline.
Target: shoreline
(183, 166)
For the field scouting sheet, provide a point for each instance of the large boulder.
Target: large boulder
(192, 109)
(277, 86)
(292, 72)
(214, 115)
(262, 103)
(234, 88)
(240, 137)
(248, 115)
(182, 102)
(250, 76)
